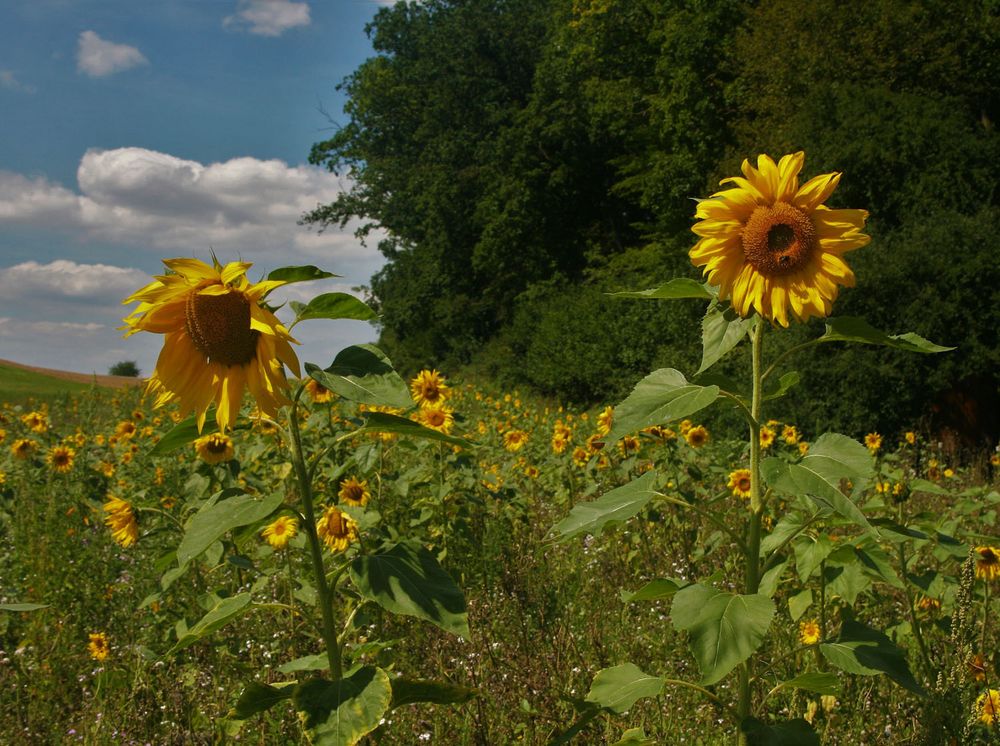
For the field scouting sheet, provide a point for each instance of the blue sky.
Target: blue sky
(131, 132)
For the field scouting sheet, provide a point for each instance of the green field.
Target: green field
(18, 385)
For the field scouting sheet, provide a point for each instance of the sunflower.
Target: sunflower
(988, 563)
(436, 417)
(581, 457)
(988, 706)
(910, 437)
(604, 420)
(428, 388)
(696, 436)
(22, 448)
(739, 483)
(629, 444)
(790, 435)
(873, 442)
(514, 440)
(319, 393)
(60, 458)
(37, 422)
(354, 492)
(121, 520)
(218, 339)
(337, 529)
(771, 245)
(280, 531)
(559, 443)
(214, 448)
(809, 632)
(766, 437)
(126, 429)
(98, 646)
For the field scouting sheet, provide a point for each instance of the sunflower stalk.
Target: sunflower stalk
(315, 549)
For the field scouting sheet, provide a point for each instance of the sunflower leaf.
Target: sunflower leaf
(383, 422)
(363, 374)
(342, 712)
(184, 432)
(618, 688)
(619, 504)
(721, 330)
(679, 287)
(862, 650)
(334, 306)
(303, 273)
(662, 396)
(224, 611)
(857, 329)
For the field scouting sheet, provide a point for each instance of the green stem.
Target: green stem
(986, 615)
(315, 549)
(752, 574)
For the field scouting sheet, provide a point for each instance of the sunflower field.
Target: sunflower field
(256, 550)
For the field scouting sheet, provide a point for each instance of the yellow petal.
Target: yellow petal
(788, 177)
(816, 191)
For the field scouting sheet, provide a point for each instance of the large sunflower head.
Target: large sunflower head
(771, 245)
(219, 338)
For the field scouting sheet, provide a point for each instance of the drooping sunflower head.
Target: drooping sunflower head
(354, 492)
(773, 246)
(428, 388)
(219, 339)
(337, 529)
(987, 563)
(120, 518)
(214, 448)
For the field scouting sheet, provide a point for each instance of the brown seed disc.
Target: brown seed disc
(778, 239)
(219, 326)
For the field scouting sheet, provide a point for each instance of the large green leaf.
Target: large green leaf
(620, 687)
(341, 713)
(655, 590)
(619, 504)
(184, 432)
(215, 519)
(660, 397)
(363, 373)
(857, 329)
(679, 287)
(831, 458)
(796, 732)
(725, 628)
(334, 306)
(407, 579)
(224, 611)
(862, 650)
(258, 697)
(383, 422)
(721, 331)
(411, 691)
(634, 737)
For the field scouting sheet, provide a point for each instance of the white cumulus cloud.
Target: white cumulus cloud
(69, 279)
(9, 82)
(98, 57)
(268, 17)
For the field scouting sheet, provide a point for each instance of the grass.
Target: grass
(18, 385)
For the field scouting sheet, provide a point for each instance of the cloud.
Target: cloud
(69, 280)
(268, 17)
(18, 327)
(9, 82)
(139, 197)
(98, 57)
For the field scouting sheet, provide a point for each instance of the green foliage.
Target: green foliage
(125, 368)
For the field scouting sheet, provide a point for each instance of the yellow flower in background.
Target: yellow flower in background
(911, 437)
(354, 492)
(219, 339)
(809, 632)
(22, 448)
(685, 426)
(581, 457)
(803, 448)
(319, 393)
(604, 420)
(120, 518)
(336, 529)
(530, 471)
(629, 444)
(60, 458)
(437, 417)
(3, 478)
(559, 443)
(977, 667)
(873, 442)
(98, 646)
(772, 246)
(995, 459)
(514, 440)
(214, 448)
(37, 422)
(790, 435)
(429, 388)
(696, 436)
(766, 437)
(739, 483)
(988, 706)
(3, 435)
(280, 531)
(988, 563)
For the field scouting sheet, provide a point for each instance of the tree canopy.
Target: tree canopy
(526, 156)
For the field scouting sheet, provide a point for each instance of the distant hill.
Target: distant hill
(18, 382)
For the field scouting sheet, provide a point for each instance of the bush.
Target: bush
(125, 368)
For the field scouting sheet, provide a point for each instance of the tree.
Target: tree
(125, 368)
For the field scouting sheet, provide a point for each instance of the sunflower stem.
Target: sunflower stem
(315, 549)
(752, 553)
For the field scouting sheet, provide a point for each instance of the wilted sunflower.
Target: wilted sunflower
(771, 245)
(218, 339)
(280, 531)
(337, 529)
(354, 492)
(988, 563)
(60, 458)
(121, 520)
(739, 483)
(214, 448)
(98, 646)
(428, 388)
